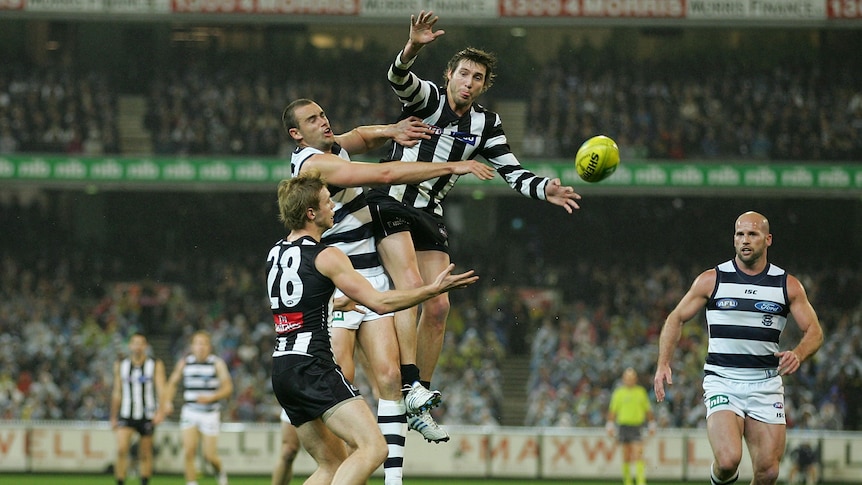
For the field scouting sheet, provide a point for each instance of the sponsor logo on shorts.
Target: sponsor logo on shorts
(337, 316)
(719, 400)
(726, 304)
(397, 222)
(768, 307)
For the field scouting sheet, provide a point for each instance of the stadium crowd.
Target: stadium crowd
(798, 111)
(57, 110)
(777, 114)
(79, 309)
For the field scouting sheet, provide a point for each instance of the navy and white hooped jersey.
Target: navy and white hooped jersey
(138, 392)
(300, 299)
(746, 315)
(200, 379)
(477, 133)
(352, 231)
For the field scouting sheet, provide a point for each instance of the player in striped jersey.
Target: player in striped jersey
(412, 237)
(206, 381)
(747, 302)
(320, 150)
(302, 274)
(139, 381)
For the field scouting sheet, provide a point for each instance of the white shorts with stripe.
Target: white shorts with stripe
(762, 400)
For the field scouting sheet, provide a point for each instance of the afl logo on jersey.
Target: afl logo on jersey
(726, 304)
(768, 307)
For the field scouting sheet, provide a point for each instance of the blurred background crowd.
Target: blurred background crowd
(567, 306)
(66, 312)
(788, 100)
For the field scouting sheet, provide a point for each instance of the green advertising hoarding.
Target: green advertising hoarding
(842, 180)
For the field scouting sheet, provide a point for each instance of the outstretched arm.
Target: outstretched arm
(362, 139)
(335, 265)
(685, 310)
(338, 171)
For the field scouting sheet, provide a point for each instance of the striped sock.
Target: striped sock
(392, 420)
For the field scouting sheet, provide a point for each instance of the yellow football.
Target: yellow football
(597, 159)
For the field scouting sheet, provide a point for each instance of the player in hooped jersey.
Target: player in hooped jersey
(301, 275)
(412, 237)
(206, 381)
(747, 302)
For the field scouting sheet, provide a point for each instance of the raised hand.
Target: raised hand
(422, 28)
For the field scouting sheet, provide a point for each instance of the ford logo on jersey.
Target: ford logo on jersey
(726, 304)
(768, 306)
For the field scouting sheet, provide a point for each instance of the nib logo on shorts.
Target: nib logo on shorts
(718, 400)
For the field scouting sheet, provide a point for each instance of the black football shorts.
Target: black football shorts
(308, 386)
(390, 216)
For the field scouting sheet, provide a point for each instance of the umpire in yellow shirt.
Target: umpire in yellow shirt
(629, 410)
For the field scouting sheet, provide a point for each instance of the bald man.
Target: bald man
(748, 301)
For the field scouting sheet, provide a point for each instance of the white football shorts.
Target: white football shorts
(207, 422)
(761, 400)
(352, 320)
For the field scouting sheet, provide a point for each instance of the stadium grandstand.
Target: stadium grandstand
(565, 302)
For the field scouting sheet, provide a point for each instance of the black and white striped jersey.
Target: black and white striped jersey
(746, 315)
(478, 133)
(200, 379)
(300, 299)
(352, 231)
(138, 391)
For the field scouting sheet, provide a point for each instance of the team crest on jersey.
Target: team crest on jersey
(726, 304)
(768, 307)
(464, 136)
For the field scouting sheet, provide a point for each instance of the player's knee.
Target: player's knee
(727, 463)
(766, 475)
(289, 451)
(388, 378)
(378, 450)
(189, 454)
(145, 453)
(435, 311)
